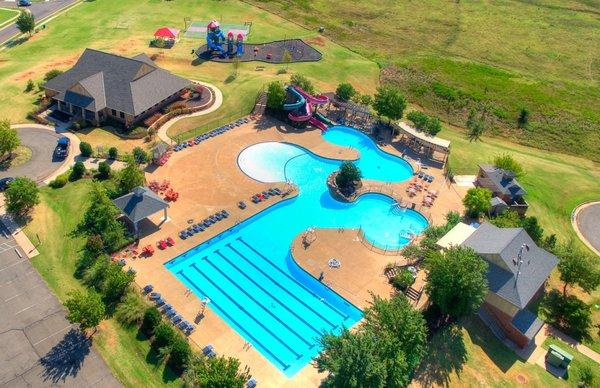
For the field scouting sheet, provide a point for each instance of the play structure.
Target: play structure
(280, 51)
(303, 108)
(215, 39)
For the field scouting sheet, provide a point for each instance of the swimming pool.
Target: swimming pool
(248, 271)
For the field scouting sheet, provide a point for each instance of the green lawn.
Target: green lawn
(53, 221)
(6, 15)
(579, 360)
(505, 55)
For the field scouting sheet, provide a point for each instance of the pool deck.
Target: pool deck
(208, 179)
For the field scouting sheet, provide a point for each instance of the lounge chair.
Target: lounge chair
(277, 191)
(154, 295)
(190, 329)
(218, 216)
(171, 313)
(209, 351)
(225, 213)
(183, 235)
(167, 307)
(148, 288)
(241, 205)
(176, 319)
(159, 302)
(170, 241)
(251, 383)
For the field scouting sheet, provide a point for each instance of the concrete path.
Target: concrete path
(39, 10)
(551, 330)
(586, 222)
(38, 346)
(218, 101)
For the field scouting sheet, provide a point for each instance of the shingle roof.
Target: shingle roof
(140, 203)
(129, 85)
(504, 181)
(527, 323)
(500, 247)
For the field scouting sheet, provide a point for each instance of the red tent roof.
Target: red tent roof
(167, 32)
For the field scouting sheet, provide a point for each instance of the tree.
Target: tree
(345, 91)
(101, 219)
(508, 219)
(218, 371)
(533, 228)
(116, 282)
(87, 310)
(52, 74)
(179, 354)
(131, 310)
(113, 153)
(286, 58)
(85, 149)
(140, 155)
(402, 280)
(577, 268)
(151, 320)
(29, 86)
(419, 119)
(131, 176)
(164, 335)
(475, 126)
(389, 102)
(434, 126)
(457, 281)
(26, 22)
(569, 313)
(303, 83)
(523, 118)
(103, 170)
(586, 376)
(507, 162)
(477, 201)
(347, 177)
(21, 196)
(275, 96)
(9, 139)
(77, 171)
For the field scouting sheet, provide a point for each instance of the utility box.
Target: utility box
(558, 357)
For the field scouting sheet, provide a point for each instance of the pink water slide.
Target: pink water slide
(299, 116)
(317, 100)
(314, 121)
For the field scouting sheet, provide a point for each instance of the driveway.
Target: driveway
(42, 163)
(39, 10)
(38, 346)
(587, 224)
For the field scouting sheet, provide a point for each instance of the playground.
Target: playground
(272, 52)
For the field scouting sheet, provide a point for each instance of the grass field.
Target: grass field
(53, 222)
(501, 55)
(6, 15)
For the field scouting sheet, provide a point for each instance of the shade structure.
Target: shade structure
(166, 33)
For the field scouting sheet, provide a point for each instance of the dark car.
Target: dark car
(62, 147)
(4, 182)
(24, 3)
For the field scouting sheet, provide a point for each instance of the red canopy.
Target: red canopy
(167, 32)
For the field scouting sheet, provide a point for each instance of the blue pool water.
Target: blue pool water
(248, 273)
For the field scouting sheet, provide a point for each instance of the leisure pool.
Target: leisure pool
(248, 273)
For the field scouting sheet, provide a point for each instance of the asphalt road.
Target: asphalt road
(39, 10)
(588, 222)
(42, 163)
(38, 346)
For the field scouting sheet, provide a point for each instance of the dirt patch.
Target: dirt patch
(522, 379)
(317, 41)
(23, 76)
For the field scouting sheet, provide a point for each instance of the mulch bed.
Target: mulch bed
(301, 52)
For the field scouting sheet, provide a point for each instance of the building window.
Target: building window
(89, 115)
(114, 112)
(122, 115)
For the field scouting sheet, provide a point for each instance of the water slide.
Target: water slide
(299, 102)
(301, 116)
(324, 119)
(314, 121)
(317, 100)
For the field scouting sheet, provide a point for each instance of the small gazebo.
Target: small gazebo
(168, 35)
(140, 204)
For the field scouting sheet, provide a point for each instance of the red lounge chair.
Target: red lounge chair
(170, 241)
(162, 244)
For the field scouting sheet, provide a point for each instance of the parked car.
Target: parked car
(24, 3)
(62, 147)
(4, 182)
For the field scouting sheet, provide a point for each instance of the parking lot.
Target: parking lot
(38, 346)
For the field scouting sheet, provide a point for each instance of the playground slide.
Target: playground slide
(294, 105)
(317, 100)
(215, 47)
(314, 121)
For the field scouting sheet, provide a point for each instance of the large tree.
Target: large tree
(26, 22)
(21, 196)
(275, 96)
(577, 268)
(389, 102)
(302, 82)
(101, 219)
(382, 352)
(457, 281)
(477, 201)
(9, 139)
(345, 91)
(131, 176)
(348, 177)
(218, 371)
(87, 309)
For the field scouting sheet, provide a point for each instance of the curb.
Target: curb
(574, 214)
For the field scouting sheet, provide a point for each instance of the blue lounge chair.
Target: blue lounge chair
(209, 351)
(190, 329)
(154, 295)
(159, 302)
(183, 235)
(218, 216)
(225, 213)
(421, 174)
(171, 313)
(241, 205)
(251, 383)
(148, 288)
(176, 319)
(167, 307)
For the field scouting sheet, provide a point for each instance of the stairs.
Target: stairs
(413, 294)
(490, 322)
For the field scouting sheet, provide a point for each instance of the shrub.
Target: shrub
(30, 85)
(402, 280)
(347, 177)
(113, 153)
(139, 155)
(103, 170)
(131, 310)
(179, 354)
(505, 161)
(21, 196)
(586, 376)
(77, 171)
(85, 149)
(152, 119)
(419, 119)
(275, 96)
(345, 91)
(523, 118)
(59, 181)
(175, 106)
(477, 201)
(302, 82)
(150, 321)
(52, 74)
(164, 336)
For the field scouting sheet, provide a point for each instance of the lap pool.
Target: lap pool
(248, 273)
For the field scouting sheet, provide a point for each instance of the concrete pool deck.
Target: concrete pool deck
(208, 179)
